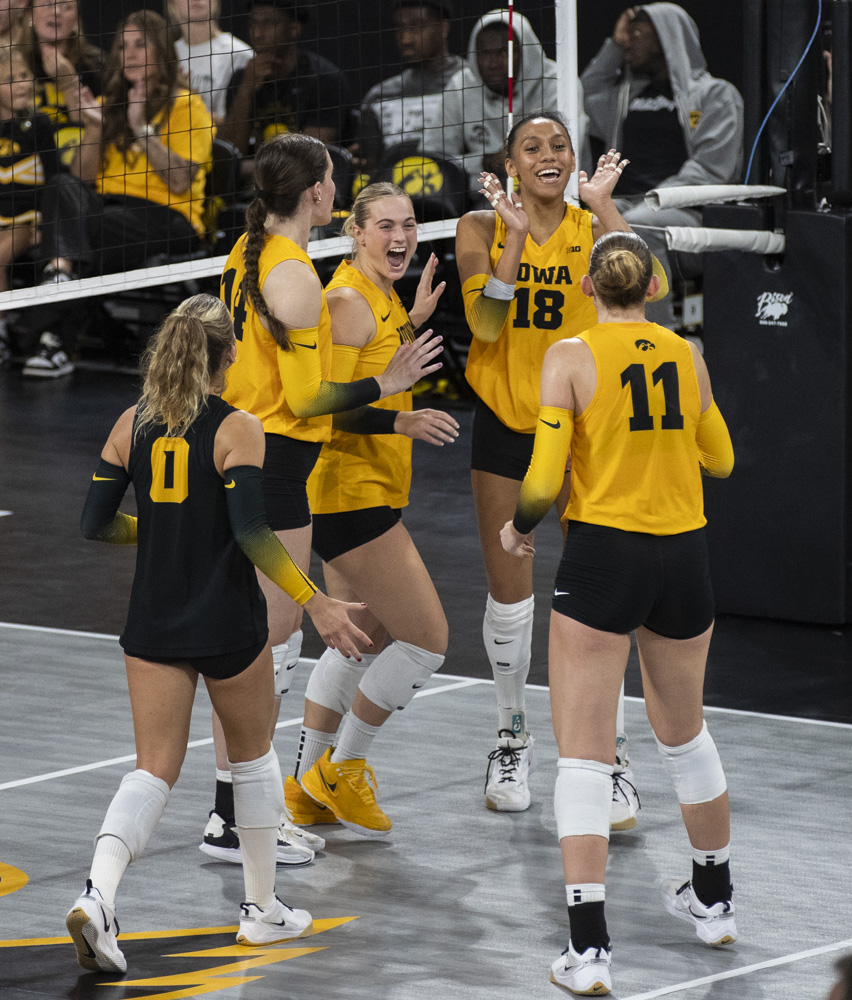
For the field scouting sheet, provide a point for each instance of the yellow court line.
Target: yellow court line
(326, 924)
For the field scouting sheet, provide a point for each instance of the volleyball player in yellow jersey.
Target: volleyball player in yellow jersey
(283, 332)
(631, 403)
(357, 492)
(520, 268)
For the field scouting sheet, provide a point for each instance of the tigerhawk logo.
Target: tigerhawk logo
(645, 345)
(200, 983)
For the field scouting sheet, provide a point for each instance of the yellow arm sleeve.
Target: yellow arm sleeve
(660, 272)
(715, 451)
(544, 478)
(247, 515)
(485, 316)
(307, 394)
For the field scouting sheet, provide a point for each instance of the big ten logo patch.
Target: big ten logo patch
(418, 176)
(771, 306)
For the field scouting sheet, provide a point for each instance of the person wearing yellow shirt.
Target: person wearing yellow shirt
(357, 491)
(284, 375)
(520, 267)
(630, 402)
(137, 178)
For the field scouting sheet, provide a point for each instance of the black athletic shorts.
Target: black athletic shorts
(496, 448)
(286, 468)
(336, 534)
(616, 580)
(218, 668)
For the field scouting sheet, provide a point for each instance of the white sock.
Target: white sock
(313, 743)
(224, 776)
(507, 634)
(704, 858)
(108, 865)
(356, 738)
(585, 892)
(259, 848)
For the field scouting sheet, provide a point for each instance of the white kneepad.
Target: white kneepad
(695, 769)
(397, 674)
(285, 659)
(582, 799)
(334, 680)
(258, 792)
(135, 810)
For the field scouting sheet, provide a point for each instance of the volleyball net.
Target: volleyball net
(417, 93)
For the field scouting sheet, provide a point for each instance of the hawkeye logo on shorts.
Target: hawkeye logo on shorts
(646, 345)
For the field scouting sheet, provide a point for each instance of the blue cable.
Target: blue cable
(781, 93)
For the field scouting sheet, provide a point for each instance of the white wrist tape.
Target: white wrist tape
(695, 769)
(497, 289)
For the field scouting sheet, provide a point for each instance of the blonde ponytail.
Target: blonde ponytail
(621, 268)
(182, 365)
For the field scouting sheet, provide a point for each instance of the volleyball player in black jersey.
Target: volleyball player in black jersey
(195, 608)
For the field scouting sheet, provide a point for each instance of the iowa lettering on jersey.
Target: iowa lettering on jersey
(406, 332)
(555, 275)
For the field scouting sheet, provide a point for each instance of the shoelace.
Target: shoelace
(617, 780)
(362, 779)
(510, 760)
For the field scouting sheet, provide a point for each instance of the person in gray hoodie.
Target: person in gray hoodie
(476, 99)
(649, 94)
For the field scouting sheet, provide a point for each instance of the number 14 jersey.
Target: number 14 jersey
(548, 306)
(634, 459)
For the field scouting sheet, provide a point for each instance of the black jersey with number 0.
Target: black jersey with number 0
(195, 593)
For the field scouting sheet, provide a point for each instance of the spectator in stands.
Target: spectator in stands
(406, 110)
(648, 93)
(208, 55)
(28, 156)
(139, 172)
(477, 98)
(284, 88)
(64, 61)
(13, 15)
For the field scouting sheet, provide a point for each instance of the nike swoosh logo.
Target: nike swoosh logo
(292, 666)
(330, 787)
(561, 593)
(230, 485)
(103, 479)
(310, 347)
(385, 318)
(106, 922)
(89, 951)
(502, 642)
(416, 686)
(501, 246)
(555, 426)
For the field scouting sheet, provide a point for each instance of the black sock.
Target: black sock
(712, 883)
(225, 801)
(588, 926)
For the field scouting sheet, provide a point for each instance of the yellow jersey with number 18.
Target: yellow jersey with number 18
(266, 380)
(356, 471)
(548, 306)
(634, 457)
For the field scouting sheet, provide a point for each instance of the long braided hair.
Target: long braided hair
(284, 168)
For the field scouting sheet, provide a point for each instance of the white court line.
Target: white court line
(50, 775)
(482, 680)
(744, 971)
(5, 513)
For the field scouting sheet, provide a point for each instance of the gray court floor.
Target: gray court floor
(458, 902)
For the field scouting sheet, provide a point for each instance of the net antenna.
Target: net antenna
(510, 181)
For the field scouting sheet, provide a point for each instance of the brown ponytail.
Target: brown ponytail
(182, 365)
(284, 168)
(621, 268)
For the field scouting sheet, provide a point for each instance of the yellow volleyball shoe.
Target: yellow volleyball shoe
(301, 808)
(345, 789)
